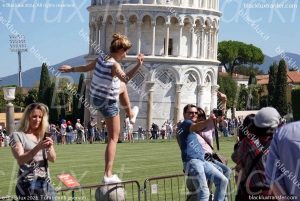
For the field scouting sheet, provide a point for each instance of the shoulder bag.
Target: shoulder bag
(215, 155)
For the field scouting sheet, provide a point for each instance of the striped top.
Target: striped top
(103, 85)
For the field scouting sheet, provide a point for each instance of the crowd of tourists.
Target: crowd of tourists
(69, 133)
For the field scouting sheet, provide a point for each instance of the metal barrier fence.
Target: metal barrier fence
(163, 188)
(130, 190)
(147, 134)
(171, 187)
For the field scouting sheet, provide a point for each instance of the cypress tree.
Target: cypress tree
(280, 91)
(78, 105)
(252, 79)
(295, 103)
(272, 84)
(54, 110)
(252, 94)
(62, 98)
(45, 84)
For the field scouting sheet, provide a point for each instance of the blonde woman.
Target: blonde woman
(108, 84)
(31, 150)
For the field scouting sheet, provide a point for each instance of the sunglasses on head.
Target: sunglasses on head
(38, 105)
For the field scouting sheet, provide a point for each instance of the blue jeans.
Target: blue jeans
(108, 108)
(224, 168)
(212, 174)
(195, 169)
(225, 132)
(170, 135)
(36, 184)
(69, 139)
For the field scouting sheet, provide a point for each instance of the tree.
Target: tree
(62, 98)
(242, 98)
(247, 70)
(31, 97)
(272, 84)
(233, 53)
(252, 79)
(36, 84)
(2, 101)
(54, 110)
(220, 83)
(280, 90)
(230, 88)
(78, 106)
(295, 103)
(19, 100)
(45, 84)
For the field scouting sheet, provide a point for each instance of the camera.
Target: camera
(217, 112)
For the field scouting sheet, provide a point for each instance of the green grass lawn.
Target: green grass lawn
(85, 162)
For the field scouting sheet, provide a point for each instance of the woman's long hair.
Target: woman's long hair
(25, 120)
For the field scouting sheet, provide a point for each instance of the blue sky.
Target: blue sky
(53, 33)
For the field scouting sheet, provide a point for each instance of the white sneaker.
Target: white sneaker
(135, 111)
(113, 179)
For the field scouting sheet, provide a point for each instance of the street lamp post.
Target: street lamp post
(18, 44)
(9, 95)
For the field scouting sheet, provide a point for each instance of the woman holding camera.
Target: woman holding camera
(32, 151)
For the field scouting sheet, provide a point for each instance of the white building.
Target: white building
(179, 39)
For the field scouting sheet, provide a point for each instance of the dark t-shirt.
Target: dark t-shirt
(190, 147)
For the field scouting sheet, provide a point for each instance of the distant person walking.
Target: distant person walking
(108, 85)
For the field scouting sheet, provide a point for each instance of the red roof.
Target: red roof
(292, 77)
(236, 76)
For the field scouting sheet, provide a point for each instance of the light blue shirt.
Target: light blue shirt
(283, 162)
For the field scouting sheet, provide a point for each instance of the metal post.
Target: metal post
(10, 121)
(20, 69)
(18, 44)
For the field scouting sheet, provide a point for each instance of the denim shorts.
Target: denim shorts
(108, 108)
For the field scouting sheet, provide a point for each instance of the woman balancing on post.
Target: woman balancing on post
(108, 85)
(32, 149)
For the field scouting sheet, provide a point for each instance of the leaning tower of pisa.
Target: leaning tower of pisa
(179, 39)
